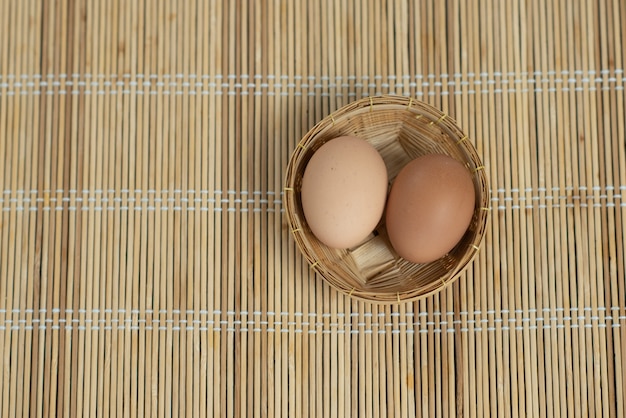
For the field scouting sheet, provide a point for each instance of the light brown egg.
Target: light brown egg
(343, 194)
(430, 206)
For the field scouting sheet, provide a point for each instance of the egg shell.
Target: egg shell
(343, 192)
(430, 207)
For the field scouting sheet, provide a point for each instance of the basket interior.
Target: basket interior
(400, 129)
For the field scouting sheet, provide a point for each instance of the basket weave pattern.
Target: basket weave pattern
(401, 129)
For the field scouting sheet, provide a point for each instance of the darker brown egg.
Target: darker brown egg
(429, 208)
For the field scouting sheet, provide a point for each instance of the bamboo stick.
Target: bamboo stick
(25, 337)
(178, 215)
(101, 377)
(403, 372)
(579, 372)
(206, 244)
(608, 215)
(47, 264)
(273, 347)
(281, 115)
(32, 342)
(620, 110)
(8, 268)
(212, 63)
(4, 185)
(229, 237)
(497, 280)
(139, 49)
(194, 348)
(243, 234)
(134, 207)
(190, 185)
(565, 348)
(553, 216)
(153, 182)
(618, 285)
(61, 219)
(256, 356)
(102, 382)
(596, 215)
(186, 211)
(583, 264)
(571, 349)
(537, 22)
(158, 372)
(482, 288)
(17, 340)
(171, 284)
(266, 344)
(21, 261)
(97, 186)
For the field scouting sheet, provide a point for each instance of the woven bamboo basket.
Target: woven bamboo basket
(401, 129)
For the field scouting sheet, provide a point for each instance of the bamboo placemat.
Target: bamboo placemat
(146, 268)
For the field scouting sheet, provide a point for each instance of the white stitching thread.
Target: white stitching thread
(482, 75)
(285, 93)
(232, 313)
(249, 206)
(315, 83)
(273, 193)
(344, 330)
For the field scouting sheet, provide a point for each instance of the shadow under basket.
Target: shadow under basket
(401, 129)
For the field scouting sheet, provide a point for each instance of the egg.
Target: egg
(430, 207)
(343, 193)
